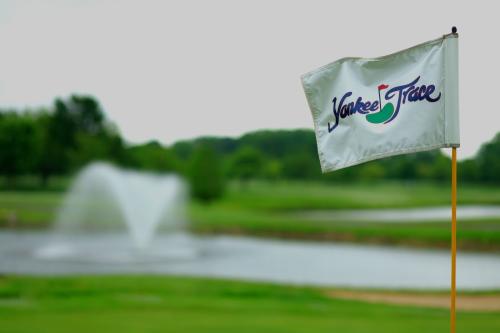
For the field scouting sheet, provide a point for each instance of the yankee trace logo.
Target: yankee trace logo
(378, 113)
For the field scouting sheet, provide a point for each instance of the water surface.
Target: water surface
(291, 262)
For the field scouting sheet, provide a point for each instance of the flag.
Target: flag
(366, 109)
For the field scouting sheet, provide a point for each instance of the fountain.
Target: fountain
(105, 199)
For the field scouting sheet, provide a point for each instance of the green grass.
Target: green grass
(28, 209)
(308, 195)
(174, 304)
(471, 234)
(268, 209)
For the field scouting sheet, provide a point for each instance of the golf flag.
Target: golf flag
(366, 109)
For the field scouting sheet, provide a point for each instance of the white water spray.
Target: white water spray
(106, 197)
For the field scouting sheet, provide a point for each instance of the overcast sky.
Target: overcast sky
(174, 70)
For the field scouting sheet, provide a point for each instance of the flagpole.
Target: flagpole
(453, 239)
(453, 296)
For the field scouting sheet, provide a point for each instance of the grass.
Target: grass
(471, 235)
(28, 209)
(174, 304)
(267, 209)
(308, 195)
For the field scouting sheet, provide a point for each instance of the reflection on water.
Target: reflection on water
(248, 259)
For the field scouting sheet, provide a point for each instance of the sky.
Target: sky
(171, 70)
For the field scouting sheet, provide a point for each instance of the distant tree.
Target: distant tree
(55, 143)
(19, 147)
(371, 171)
(59, 139)
(246, 163)
(74, 134)
(102, 147)
(153, 156)
(281, 143)
(344, 175)
(183, 149)
(441, 168)
(86, 114)
(301, 165)
(488, 160)
(205, 174)
(272, 169)
(468, 170)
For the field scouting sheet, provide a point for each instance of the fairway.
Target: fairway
(175, 304)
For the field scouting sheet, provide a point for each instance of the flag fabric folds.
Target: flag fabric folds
(366, 109)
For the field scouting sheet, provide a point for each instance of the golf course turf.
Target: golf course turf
(177, 304)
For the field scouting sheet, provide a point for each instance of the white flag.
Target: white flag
(365, 109)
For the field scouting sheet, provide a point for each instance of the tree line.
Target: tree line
(292, 154)
(74, 131)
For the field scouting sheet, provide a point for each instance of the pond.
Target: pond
(291, 262)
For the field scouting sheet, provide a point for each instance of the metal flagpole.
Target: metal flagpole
(453, 238)
(453, 296)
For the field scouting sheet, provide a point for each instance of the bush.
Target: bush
(205, 174)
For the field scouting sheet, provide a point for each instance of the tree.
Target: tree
(102, 147)
(74, 134)
(468, 170)
(489, 161)
(205, 174)
(56, 140)
(19, 147)
(85, 113)
(272, 169)
(246, 163)
(153, 156)
(301, 165)
(371, 171)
